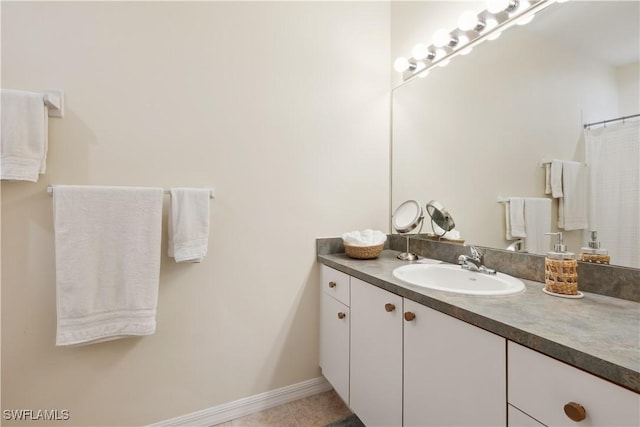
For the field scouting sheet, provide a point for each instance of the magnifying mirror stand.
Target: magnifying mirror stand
(407, 256)
(404, 220)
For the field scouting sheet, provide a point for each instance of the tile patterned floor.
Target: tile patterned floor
(313, 411)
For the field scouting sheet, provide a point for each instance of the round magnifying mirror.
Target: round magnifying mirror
(440, 217)
(407, 216)
(405, 219)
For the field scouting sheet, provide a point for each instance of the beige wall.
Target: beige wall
(628, 78)
(283, 107)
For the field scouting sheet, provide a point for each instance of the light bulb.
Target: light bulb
(463, 40)
(440, 53)
(441, 38)
(496, 6)
(423, 74)
(420, 51)
(466, 51)
(523, 5)
(444, 63)
(401, 65)
(419, 67)
(525, 19)
(490, 24)
(468, 20)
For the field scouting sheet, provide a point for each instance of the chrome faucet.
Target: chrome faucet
(474, 261)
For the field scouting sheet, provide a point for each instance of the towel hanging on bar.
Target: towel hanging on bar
(24, 138)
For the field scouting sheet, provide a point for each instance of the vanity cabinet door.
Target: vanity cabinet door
(376, 355)
(334, 344)
(541, 387)
(517, 418)
(454, 372)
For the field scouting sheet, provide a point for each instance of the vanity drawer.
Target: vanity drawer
(541, 387)
(335, 283)
(518, 418)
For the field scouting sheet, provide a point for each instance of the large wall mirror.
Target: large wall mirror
(479, 128)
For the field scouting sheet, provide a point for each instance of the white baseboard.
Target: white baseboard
(248, 405)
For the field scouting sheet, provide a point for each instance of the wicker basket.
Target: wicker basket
(364, 252)
(561, 276)
(595, 258)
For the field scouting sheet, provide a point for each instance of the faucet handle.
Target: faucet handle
(475, 252)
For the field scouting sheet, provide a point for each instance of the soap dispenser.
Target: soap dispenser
(560, 269)
(594, 253)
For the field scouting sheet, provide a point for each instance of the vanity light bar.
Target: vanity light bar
(488, 25)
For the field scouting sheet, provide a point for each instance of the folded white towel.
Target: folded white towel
(572, 207)
(547, 178)
(24, 136)
(516, 218)
(107, 247)
(556, 178)
(507, 220)
(366, 237)
(537, 218)
(451, 234)
(189, 224)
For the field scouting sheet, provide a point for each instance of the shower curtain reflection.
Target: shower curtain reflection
(613, 157)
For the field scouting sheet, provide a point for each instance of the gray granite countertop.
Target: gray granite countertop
(597, 334)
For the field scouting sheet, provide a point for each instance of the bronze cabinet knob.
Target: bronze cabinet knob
(389, 307)
(409, 316)
(575, 411)
(332, 284)
(341, 315)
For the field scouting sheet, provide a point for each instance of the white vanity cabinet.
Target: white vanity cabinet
(454, 372)
(335, 329)
(376, 355)
(542, 387)
(517, 418)
(396, 362)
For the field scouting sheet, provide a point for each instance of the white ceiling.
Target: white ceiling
(606, 30)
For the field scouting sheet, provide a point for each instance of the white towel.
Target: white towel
(515, 218)
(556, 178)
(547, 178)
(537, 218)
(107, 245)
(24, 136)
(507, 220)
(451, 234)
(572, 207)
(189, 224)
(366, 237)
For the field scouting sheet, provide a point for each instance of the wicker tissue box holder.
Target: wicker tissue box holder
(561, 276)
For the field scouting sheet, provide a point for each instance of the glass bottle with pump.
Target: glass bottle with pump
(593, 253)
(560, 269)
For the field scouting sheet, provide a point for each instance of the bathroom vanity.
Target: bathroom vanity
(401, 355)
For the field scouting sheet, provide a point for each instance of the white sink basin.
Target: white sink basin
(453, 278)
